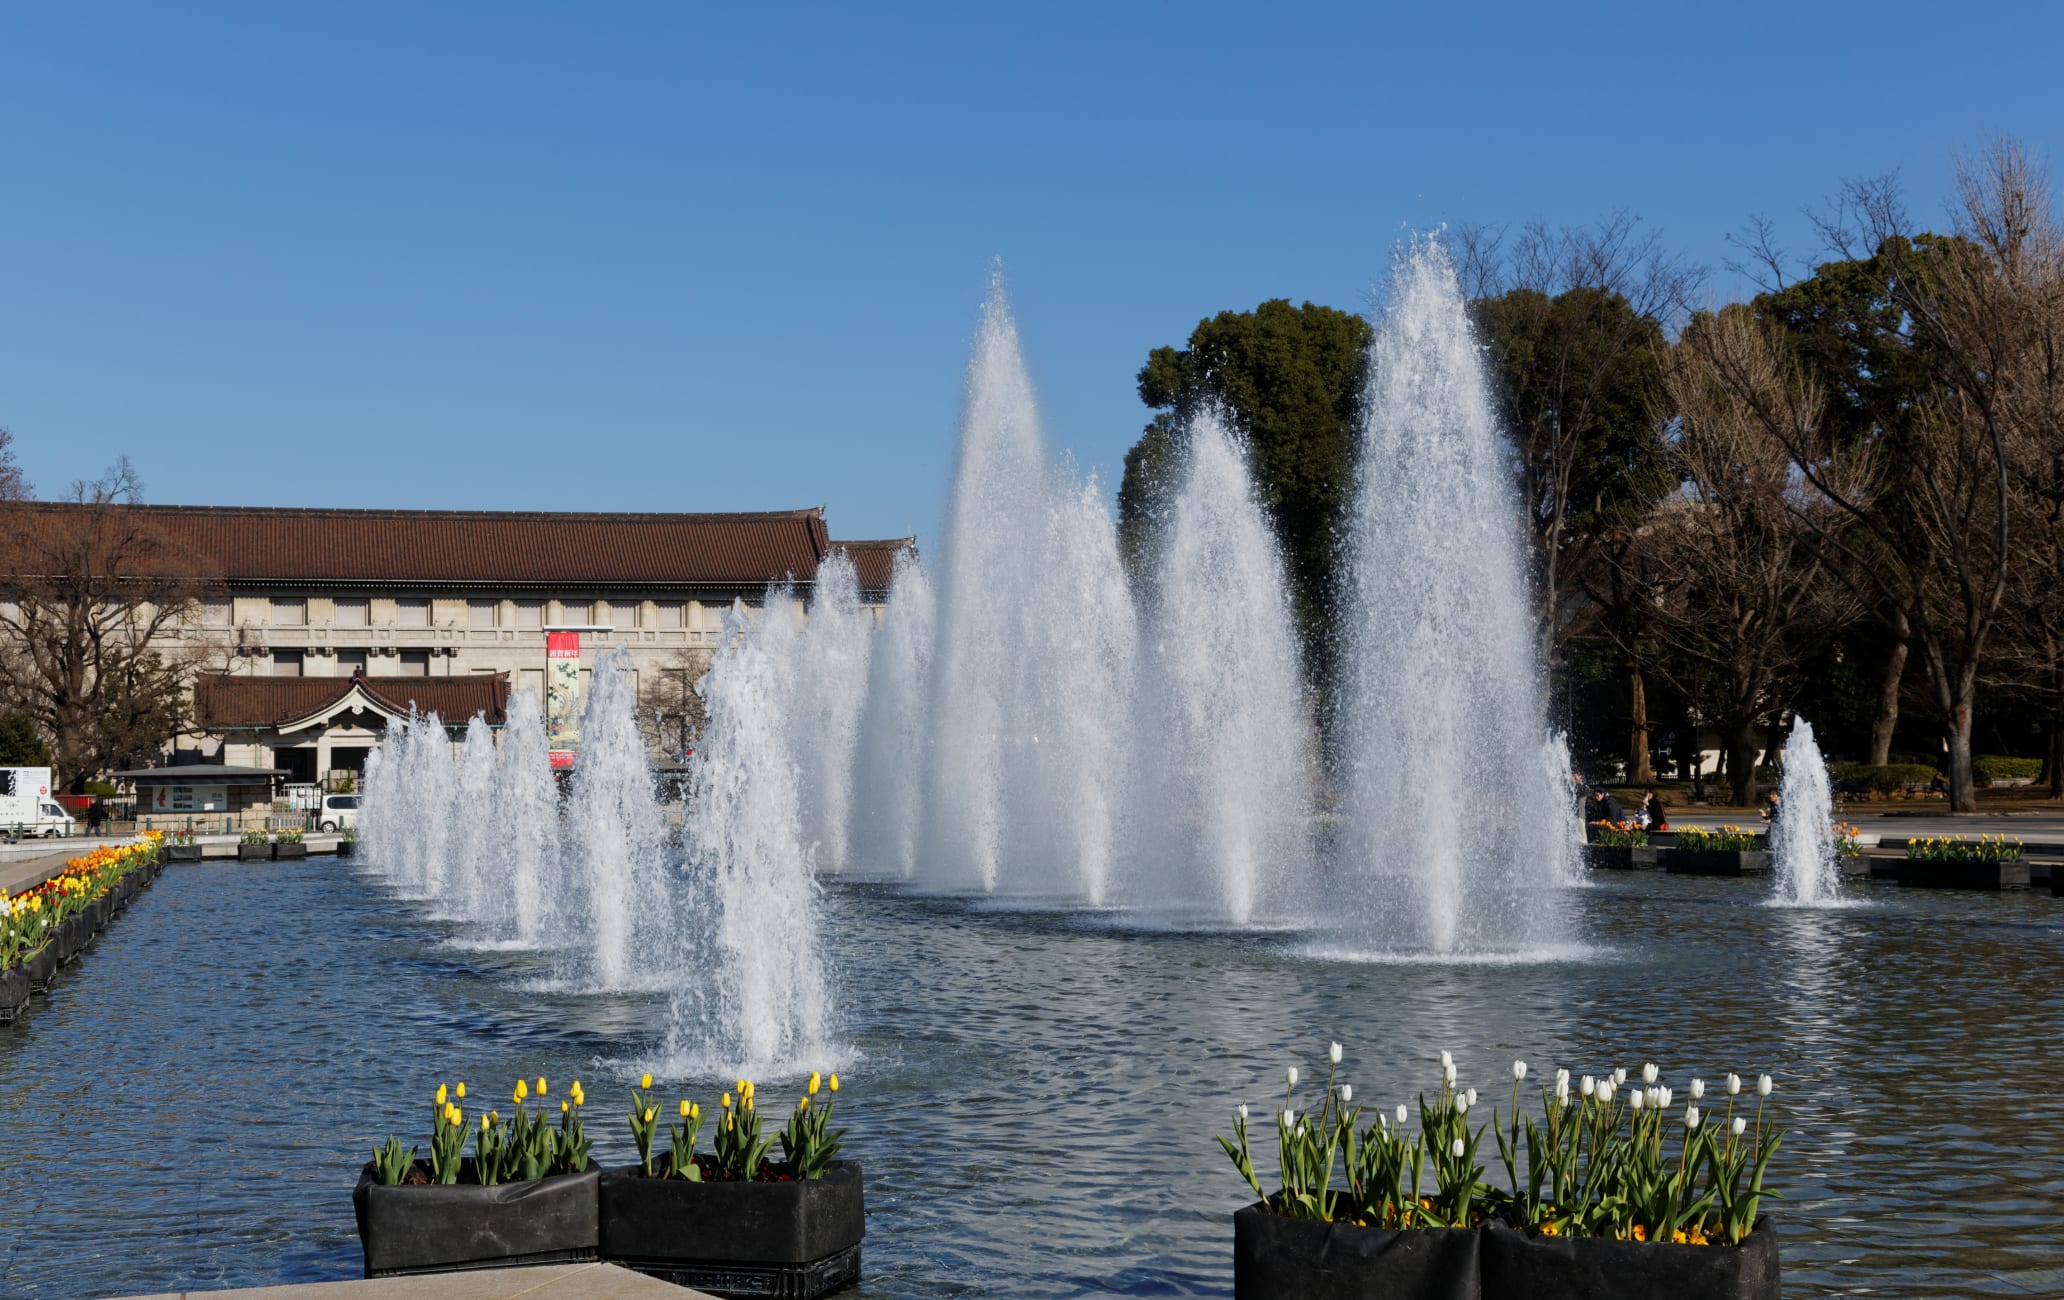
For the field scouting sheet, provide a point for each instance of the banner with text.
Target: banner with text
(562, 696)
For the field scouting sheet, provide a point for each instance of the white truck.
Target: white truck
(26, 807)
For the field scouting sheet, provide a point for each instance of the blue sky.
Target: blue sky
(672, 257)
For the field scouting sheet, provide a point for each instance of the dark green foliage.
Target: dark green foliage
(20, 746)
(1880, 780)
(1290, 379)
(1987, 768)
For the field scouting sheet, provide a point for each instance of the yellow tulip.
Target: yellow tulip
(684, 1108)
(834, 1083)
(522, 1091)
(541, 1085)
(565, 1106)
(740, 1087)
(803, 1105)
(644, 1081)
(462, 1092)
(695, 1112)
(727, 1101)
(650, 1114)
(440, 1094)
(815, 1082)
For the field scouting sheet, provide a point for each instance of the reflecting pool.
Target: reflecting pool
(1033, 1094)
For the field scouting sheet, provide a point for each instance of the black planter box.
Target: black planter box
(347, 848)
(435, 1229)
(72, 935)
(1520, 1267)
(1602, 857)
(1717, 862)
(183, 852)
(791, 1239)
(1276, 1257)
(14, 993)
(1884, 867)
(1852, 864)
(254, 852)
(294, 850)
(1922, 873)
(42, 968)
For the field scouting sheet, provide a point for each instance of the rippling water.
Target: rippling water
(1035, 1093)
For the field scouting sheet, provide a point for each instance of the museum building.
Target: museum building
(318, 627)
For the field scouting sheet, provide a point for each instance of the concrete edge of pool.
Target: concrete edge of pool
(540, 1282)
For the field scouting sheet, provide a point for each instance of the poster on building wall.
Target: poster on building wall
(562, 696)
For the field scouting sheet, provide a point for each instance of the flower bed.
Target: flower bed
(50, 924)
(1622, 1193)
(731, 1222)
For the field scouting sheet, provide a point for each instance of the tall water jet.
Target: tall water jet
(1033, 666)
(612, 830)
(524, 804)
(406, 811)
(760, 1000)
(473, 867)
(1808, 873)
(830, 685)
(1441, 688)
(1234, 751)
(994, 521)
(889, 762)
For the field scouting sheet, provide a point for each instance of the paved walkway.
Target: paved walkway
(550, 1282)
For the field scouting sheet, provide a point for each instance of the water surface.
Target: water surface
(1034, 1093)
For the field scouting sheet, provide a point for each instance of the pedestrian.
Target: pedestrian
(1652, 812)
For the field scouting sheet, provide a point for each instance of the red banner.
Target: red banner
(562, 696)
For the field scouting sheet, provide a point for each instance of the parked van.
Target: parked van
(339, 812)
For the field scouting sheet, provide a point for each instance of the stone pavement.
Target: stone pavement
(547, 1282)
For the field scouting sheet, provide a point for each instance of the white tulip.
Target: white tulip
(1243, 1110)
(1333, 1053)
(1666, 1096)
(1401, 1114)
(1346, 1093)
(1562, 1099)
(1562, 1091)
(1733, 1083)
(1763, 1085)
(1589, 1086)
(1698, 1089)
(1458, 1148)
(1691, 1117)
(1448, 1074)
(1291, 1075)
(1302, 1130)
(1446, 1062)
(1605, 1090)
(1739, 1125)
(1518, 1071)
(1619, 1078)
(1461, 1105)
(1471, 1094)
(1289, 1119)
(1649, 1072)
(1635, 1098)
(1562, 1077)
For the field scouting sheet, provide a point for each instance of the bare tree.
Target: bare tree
(14, 485)
(90, 589)
(1973, 305)
(672, 709)
(1738, 555)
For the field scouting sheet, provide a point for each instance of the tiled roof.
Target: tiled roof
(224, 700)
(255, 545)
(874, 562)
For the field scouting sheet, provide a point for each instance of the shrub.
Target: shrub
(1992, 769)
(1887, 779)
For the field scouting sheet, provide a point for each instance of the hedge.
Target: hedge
(1989, 768)
(1887, 779)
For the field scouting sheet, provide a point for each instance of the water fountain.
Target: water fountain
(1802, 839)
(757, 996)
(830, 688)
(614, 839)
(524, 803)
(889, 763)
(1453, 828)
(474, 884)
(1231, 794)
